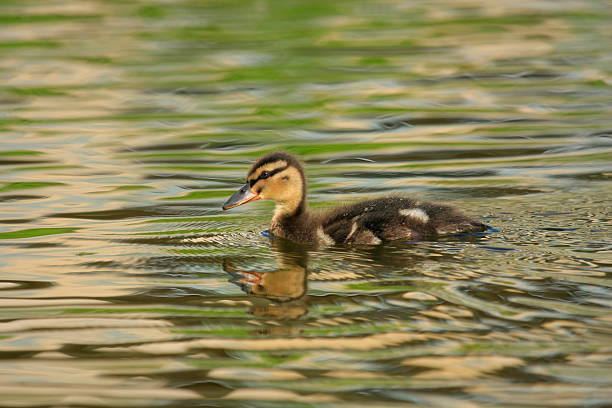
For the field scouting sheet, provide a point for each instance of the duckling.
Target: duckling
(288, 282)
(280, 177)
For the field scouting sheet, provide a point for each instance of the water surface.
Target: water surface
(126, 125)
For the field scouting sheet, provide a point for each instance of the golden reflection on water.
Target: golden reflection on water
(453, 368)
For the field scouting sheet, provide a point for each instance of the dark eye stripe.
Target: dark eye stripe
(266, 174)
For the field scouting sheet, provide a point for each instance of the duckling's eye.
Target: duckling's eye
(264, 175)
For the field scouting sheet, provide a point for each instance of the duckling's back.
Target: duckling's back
(392, 218)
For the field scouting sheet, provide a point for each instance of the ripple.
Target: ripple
(23, 285)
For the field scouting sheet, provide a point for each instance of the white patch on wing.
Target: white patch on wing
(324, 238)
(415, 213)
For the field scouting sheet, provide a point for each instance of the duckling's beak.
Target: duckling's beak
(242, 196)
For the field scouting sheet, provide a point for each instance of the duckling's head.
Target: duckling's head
(276, 176)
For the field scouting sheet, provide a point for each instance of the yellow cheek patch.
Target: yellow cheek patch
(286, 187)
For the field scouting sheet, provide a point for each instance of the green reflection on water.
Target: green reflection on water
(35, 232)
(27, 185)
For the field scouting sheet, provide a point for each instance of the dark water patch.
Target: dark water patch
(33, 245)
(488, 192)
(193, 91)
(533, 136)
(499, 249)
(510, 75)
(17, 162)
(19, 197)
(594, 176)
(17, 354)
(580, 148)
(488, 78)
(119, 214)
(8, 284)
(10, 101)
(104, 265)
(558, 229)
(15, 220)
(603, 133)
(394, 123)
(358, 130)
(207, 389)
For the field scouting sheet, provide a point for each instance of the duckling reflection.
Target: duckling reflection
(285, 286)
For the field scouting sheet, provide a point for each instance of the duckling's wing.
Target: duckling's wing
(394, 218)
(446, 220)
(370, 222)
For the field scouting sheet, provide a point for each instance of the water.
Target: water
(125, 126)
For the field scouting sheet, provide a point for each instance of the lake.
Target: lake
(126, 125)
